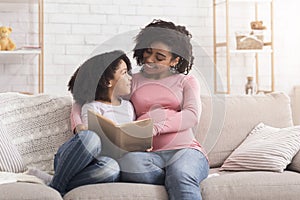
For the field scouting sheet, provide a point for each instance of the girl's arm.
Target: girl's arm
(76, 121)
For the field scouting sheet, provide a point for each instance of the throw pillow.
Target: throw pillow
(265, 148)
(37, 126)
(10, 158)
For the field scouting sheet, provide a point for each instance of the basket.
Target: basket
(249, 40)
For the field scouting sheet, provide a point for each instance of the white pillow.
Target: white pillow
(10, 158)
(265, 148)
(37, 126)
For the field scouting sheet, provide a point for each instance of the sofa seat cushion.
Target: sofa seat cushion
(26, 191)
(254, 185)
(124, 191)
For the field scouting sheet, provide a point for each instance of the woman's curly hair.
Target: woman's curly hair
(177, 38)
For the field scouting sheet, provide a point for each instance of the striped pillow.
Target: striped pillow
(265, 148)
(10, 158)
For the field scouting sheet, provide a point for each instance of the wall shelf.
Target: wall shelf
(251, 51)
(217, 2)
(19, 1)
(22, 51)
(226, 43)
(39, 50)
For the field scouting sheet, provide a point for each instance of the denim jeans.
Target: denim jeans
(78, 162)
(180, 170)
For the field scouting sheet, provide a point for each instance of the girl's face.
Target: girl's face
(121, 84)
(157, 59)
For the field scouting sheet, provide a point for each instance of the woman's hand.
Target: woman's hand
(80, 127)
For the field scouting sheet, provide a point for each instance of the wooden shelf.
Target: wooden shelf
(236, 51)
(22, 51)
(242, 1)
(229, 51)
(19, 1)
(251, 1)
(32, 50)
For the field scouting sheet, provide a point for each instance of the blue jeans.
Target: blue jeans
(78, 162)
(180, 170)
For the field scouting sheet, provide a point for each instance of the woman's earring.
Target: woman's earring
(173, 69)
(108, 84)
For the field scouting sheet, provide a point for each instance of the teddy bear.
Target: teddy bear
(6, 44)
(257, 25)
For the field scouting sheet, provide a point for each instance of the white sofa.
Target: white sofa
(36, 125)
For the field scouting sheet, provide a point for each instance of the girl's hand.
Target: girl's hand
(149, 150)
(80, 127)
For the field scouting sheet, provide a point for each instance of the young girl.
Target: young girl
(97, 84)
(114, 83)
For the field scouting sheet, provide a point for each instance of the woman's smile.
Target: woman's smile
(150, 66)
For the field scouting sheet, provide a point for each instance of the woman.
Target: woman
(97, 85)
(163, 91)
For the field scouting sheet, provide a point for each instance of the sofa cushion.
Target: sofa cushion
(10, 158)
(26, 191)
(124, 191)
(37, 125)
(226, 120)
(266, 148)
(252, 185)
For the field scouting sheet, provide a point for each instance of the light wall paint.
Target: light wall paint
(75, 29)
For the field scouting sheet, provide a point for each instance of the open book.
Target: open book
(119, 139)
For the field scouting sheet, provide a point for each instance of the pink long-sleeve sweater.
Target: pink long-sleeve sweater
(173, 103)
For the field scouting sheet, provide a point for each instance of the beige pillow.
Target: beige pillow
(37, 126)
(265, 148)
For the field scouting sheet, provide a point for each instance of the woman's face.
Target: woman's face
(121, 84)
(157, 59)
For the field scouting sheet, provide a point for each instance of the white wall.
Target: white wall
(287, 42)
(75, 28)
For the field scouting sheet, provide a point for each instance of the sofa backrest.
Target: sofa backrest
(226, 120)
(36, 125)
